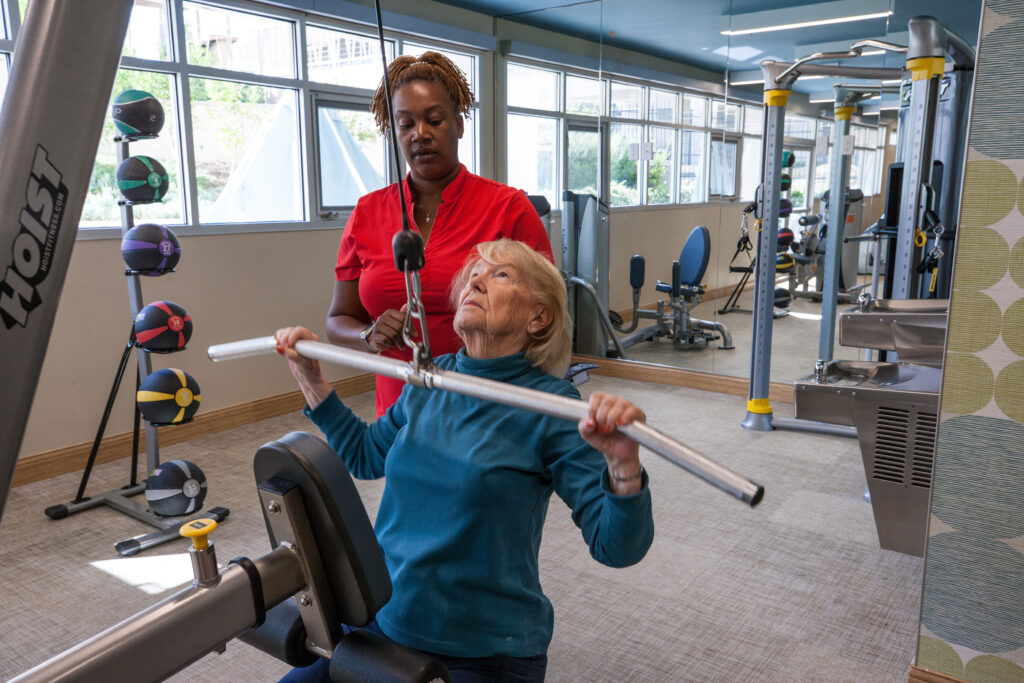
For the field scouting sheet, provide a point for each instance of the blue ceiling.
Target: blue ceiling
(689, 31)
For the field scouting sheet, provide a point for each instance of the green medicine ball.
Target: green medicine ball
(142, 180)
(136, 112)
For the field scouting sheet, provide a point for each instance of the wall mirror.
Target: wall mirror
(669, 133)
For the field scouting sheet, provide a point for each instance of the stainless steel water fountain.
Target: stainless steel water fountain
(893, 405)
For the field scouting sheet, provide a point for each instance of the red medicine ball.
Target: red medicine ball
(785, 237)
(163, 326)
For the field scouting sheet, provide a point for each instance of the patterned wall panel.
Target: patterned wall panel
(972, 611)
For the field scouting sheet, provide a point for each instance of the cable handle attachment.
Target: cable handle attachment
(407, 246)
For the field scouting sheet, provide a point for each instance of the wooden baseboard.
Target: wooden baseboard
(919, 675)
(778, 392)
(73, 458)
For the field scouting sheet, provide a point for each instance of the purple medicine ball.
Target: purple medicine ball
(150, 249)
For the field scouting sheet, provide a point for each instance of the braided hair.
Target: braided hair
(429, 66)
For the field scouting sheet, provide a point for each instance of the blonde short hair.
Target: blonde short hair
(550, 348)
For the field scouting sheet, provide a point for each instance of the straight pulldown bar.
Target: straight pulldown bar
(506, 394)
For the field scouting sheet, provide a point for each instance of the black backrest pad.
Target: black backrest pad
(344, 536)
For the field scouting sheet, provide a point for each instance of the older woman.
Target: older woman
(468, 481)
(452, 209)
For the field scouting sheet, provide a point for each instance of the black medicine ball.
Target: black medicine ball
(163, 326)
(787, 182)
(168, 396)
(785, 208)
(136, 112)
(142, 179)
(150, 249)
(782, 297)
(176, 487)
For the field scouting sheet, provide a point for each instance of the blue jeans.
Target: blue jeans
(494, 669)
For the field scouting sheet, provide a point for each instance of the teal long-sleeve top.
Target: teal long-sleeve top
(460, 519)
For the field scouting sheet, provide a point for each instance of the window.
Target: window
(799, 173)
(148, 36)
(627, 101)
(239, 41)
(664, 106)
(654, 147)
(750, 168)
(693, 167)
(101, 207)
(352, 154)
(233, 104)
(533, 155)
(343, 58)
(725, 116)
(753, 120)
(865, 171)
(247, 160)
(798, 127)
(723, 168)
(583, 171)
(465, 62)
(624, 163)
(532, 88)
(661, 167)
(695, 110)
(4, 71)
(584, 96)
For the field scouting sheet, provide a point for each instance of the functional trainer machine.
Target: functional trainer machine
(930, 44)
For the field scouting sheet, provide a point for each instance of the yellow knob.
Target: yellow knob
(197, 530)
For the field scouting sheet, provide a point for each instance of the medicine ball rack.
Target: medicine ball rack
(120, 499)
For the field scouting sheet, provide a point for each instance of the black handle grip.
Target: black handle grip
(408, 248)
(636, 271)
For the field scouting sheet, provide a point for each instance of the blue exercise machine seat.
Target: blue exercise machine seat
(672, 318)
(693, 262)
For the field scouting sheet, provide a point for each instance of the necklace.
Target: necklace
(426, 214)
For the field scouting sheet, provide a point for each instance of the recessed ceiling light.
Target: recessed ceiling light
(759, 81)
(805, 24)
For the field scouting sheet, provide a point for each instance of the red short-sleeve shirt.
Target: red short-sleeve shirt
(472, 210)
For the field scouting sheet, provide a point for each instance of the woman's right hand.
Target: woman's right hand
(305, 370)
(386, 332)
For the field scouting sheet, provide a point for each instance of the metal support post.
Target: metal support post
(925, 62)
(844, 109)
(759, 410)
(52, 117)
(136, 304)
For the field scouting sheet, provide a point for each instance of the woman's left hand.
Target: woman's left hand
(600, 429)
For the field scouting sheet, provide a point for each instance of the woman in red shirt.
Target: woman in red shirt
(452, 209)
